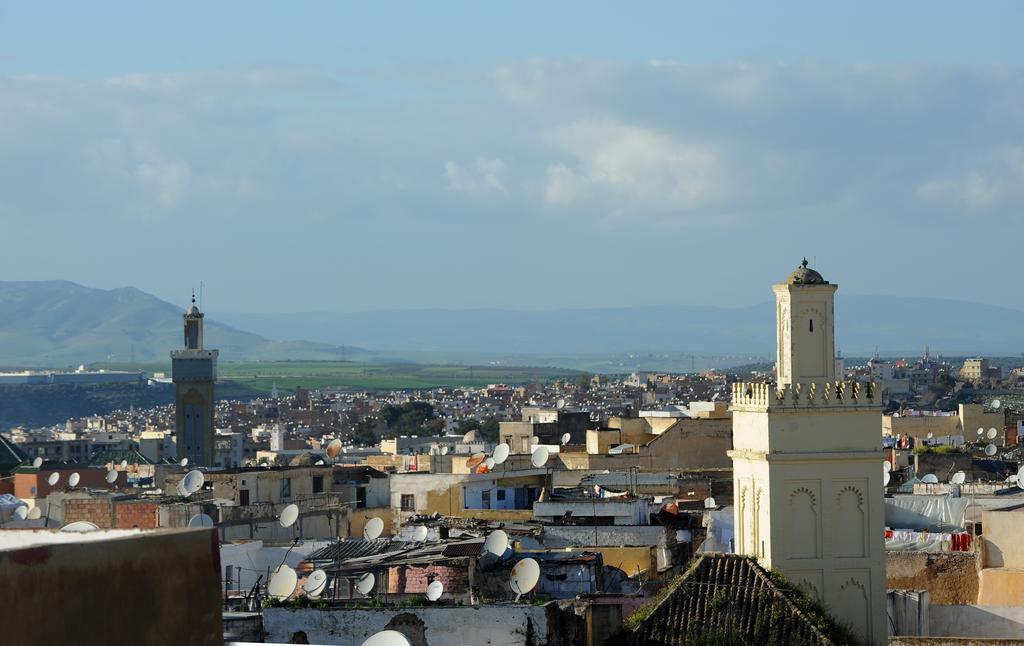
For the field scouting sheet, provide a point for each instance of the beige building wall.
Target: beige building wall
(973, 417)
(1001, 581)
(919, 427)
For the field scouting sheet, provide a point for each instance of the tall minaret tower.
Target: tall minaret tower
(807, 465)
(193, 371)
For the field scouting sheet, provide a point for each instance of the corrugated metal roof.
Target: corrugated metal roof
(342, 551)
(464, 548)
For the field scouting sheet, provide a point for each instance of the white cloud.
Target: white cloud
(994, 182)
(633, 167)
(484, 176)
(167, 181)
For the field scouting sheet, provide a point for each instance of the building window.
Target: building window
(286, 488)
(526, 444)
(486, 497)
(501, 494)
(408, 502)
(318, 484)
(810, 325)
(360, 497)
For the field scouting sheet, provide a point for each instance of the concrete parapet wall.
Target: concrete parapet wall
(505, 624)
(1002, 622)
(154, 588)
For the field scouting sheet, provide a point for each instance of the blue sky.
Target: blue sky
(335, 156)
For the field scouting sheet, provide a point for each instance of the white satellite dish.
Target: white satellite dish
(931, 435)
(364, 584)
(334, 448)
(496, 543)
(990, 449)
(534, 440)
(387, 638)
(1020, 472)
(1020, 483)
(21, 512)
(38, 462)
(200, 520)
(444, 450)
(996, 404)
(35, 513)
(315, 583)
(992, 433)
(319, 463)
(930, 478)
(565, 438)
(124, 464)
(886, 466)
(183, 463)
(282, 582)
(373, 528)
(524, 577)
(192, 482)
(886, 477)
(79, 527)
(540, 456)
(981, 431)
(53, 479)
(289, 515)
(419, 534)
(895, 414)
(709, 503)
(500, 453)
(434, 590)
(489, 463)
(958, 478)
(73, 479)
(560, 403)
(111, 476)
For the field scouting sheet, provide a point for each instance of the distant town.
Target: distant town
(591, 509)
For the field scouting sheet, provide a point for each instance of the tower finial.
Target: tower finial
(804, 263)
(194, 294)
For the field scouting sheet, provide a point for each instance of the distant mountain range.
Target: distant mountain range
(60, 323)
(894, 325)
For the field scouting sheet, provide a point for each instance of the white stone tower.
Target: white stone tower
(807, 465)
(194, 371)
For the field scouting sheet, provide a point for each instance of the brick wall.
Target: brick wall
(143, 515)
(106, 514)
(415, 578)
(95, 510)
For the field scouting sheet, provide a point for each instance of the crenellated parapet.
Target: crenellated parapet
(806, 395)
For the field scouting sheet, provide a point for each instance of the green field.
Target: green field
(244, 379)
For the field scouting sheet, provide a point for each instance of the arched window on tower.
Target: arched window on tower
(810, 325)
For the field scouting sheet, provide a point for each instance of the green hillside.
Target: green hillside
(60, 323)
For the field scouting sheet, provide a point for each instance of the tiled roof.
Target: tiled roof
(728, 599)
(102, 458)
(10, 455)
